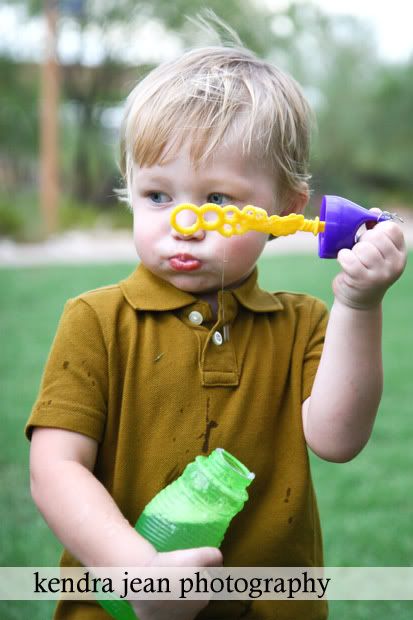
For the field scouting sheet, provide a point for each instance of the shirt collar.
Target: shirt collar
(145, 291)
(251, 296)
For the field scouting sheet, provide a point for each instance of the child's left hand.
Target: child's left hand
(371, 266)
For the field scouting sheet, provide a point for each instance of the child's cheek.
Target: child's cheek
(248, 246)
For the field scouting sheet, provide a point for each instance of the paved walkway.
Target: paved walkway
(103, 246)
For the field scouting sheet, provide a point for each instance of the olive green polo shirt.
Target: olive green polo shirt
(142, 368)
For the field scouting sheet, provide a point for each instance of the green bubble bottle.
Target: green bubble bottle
(193, 511)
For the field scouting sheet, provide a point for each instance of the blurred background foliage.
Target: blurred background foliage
(363, 106)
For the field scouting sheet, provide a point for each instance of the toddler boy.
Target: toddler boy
(189, 353)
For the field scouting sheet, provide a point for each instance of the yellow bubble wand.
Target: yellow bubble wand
(231, 220)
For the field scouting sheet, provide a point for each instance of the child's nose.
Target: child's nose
(187, 219)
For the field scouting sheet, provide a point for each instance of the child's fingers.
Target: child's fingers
(388, 229)
(380, 239)
(394, 232)
(356, 261)
(368, 254)
(348, 261)
(388, 238)
(209, 556)
(371, 266)
(202, 556)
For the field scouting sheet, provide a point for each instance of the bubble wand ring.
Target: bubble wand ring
(187, 230)
(226, 219)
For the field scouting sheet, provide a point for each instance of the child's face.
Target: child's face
(195, 263)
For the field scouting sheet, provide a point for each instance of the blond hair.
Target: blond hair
(217, 95)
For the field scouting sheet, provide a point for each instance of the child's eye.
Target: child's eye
(218, 199)
(159, 197)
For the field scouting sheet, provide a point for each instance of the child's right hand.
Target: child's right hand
(177, 610)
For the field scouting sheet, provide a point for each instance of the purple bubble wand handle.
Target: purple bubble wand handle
(343, 219)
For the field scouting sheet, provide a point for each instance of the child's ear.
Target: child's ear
(296, 203)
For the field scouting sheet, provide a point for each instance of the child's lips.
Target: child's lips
(184, 262)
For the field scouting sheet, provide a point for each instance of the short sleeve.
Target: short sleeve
(74, 386)
(314, 348)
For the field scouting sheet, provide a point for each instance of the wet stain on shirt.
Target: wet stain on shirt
(209, 426)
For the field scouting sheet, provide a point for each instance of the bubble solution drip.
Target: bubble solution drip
(193, 511)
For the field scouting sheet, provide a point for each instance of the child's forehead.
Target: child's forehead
(201, 150)
(197, 155)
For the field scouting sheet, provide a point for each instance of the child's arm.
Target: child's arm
(83, 515)
(339, 415)
(76, 506)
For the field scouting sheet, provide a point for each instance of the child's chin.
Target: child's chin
(191, 284)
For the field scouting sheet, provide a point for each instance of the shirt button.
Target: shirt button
(195, 317)
(217, 338)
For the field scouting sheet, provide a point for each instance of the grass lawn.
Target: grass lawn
(366, 506)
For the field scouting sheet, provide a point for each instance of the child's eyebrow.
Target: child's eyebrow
(151, 178)
(231, 184)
